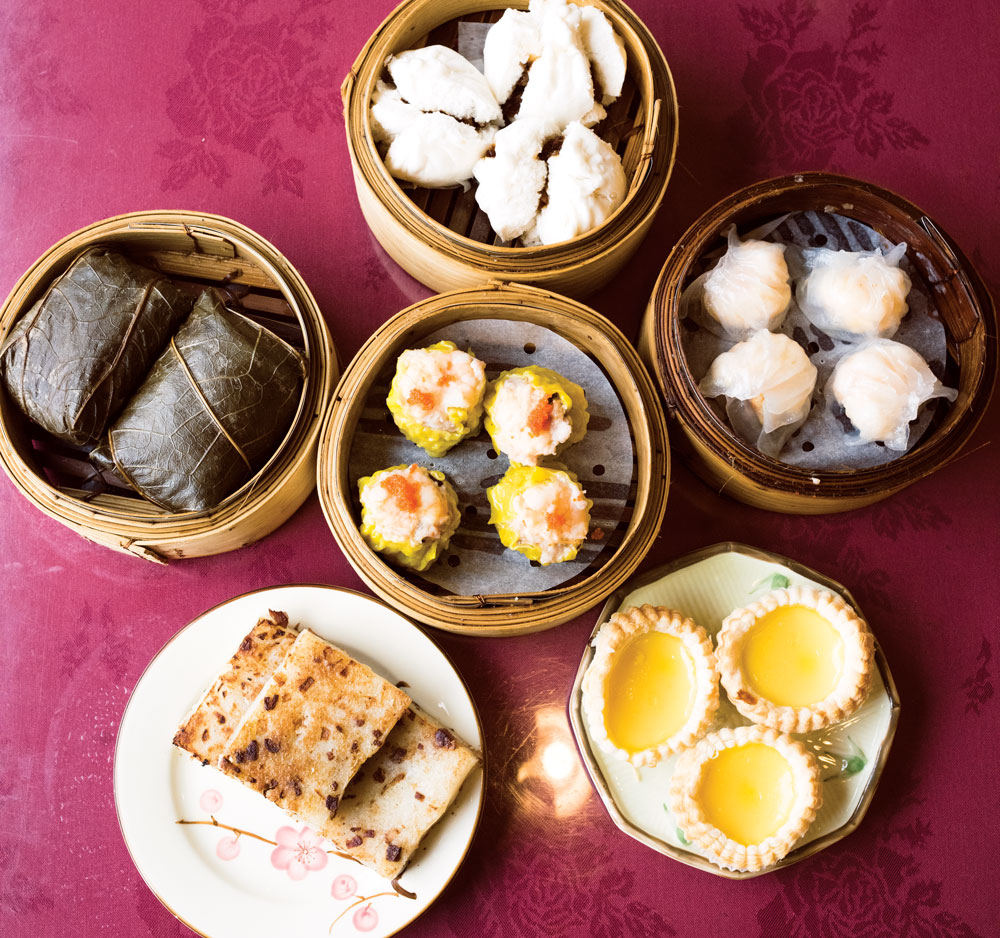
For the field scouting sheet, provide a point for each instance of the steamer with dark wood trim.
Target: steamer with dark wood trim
(966, 310)
(440, 236)
(498, 614)
(202, 249)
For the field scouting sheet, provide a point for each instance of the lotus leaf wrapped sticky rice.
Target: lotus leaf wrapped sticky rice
(436, 396)
(533, 412)
(77, 356)
(540, 512)
(408, 514)
(211, 412)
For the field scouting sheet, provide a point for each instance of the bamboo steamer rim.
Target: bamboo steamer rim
(142, 530)
(503, 615)
(689, 406)
(659, 101)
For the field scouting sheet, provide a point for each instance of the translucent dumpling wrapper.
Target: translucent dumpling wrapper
(512, 180)
(436, 396)
(881, 387)
(768, 383)
(586, 184)
(533, 412)
(436, 78)
(436, 151)
(408, 514)
(854, 293)
(541, 513)
(746, 291)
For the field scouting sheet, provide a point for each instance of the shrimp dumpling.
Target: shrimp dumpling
(881, 387)
(746, 291)
(768, 383)
(855, 293)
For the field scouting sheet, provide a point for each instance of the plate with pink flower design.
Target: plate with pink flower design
(227, 862)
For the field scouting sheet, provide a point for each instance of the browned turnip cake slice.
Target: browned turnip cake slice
(207, 730)
(318, 718)
(400, 793)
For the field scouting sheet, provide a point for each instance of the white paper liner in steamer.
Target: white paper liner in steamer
(476, 563)
(827, 441)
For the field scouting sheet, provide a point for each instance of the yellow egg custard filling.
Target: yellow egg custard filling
(796, 659)
(793, 656)
(746, 796)
(747, 792)
(652, 687)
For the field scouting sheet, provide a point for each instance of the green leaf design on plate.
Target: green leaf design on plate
(677, 830)
(776, 581)
(846, 765)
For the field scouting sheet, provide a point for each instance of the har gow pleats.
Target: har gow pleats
(854, 293)
(768, 383)
(881, 388)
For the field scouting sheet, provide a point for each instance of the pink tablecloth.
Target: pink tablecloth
(233, 106)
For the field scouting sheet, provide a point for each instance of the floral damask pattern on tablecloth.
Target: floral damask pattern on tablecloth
(810, 97)
(251, 84)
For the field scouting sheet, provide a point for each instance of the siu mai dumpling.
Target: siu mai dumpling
(746, 291)
(408, 514)
(541, 513)
(586, 183)
(854, 293)
(881, 387)
(436, 397)
(768, 383)
(533, 412)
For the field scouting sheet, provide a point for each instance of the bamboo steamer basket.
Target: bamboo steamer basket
(507, 614)
(439, 236)
(966, 309)
(202, 249)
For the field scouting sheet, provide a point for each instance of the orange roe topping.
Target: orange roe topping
(418, 398)
(540, 418)
(445, 379)
(404, 492)
(558, 515)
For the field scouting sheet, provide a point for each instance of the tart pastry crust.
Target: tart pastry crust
(722, 850)
(851, 686)
(614, 635)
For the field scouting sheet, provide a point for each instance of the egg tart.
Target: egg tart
(745, 796)
(796, 659)
(652, 688)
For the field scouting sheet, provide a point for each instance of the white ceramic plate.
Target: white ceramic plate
(707, 585)
(222, 883)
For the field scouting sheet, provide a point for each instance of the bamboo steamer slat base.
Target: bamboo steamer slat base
(506, 614)
(206, 249)
(967, 311)
(446, 258)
